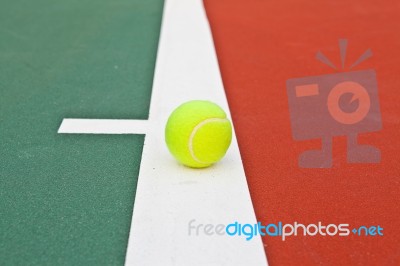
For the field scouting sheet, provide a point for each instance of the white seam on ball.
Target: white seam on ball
(195, 129)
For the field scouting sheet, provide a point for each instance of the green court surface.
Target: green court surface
(67, 199)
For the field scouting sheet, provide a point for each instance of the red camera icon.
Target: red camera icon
(342, 104)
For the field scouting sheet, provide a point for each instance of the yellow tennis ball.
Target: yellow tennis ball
(198, 133)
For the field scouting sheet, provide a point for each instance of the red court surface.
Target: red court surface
(260, 45)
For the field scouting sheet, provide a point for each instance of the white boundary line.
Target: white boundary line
(103, 126)
(168, 195)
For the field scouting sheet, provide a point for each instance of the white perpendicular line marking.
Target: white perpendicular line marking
(103, 126)
(170, 198)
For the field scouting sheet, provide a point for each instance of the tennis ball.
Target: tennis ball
(198, 134)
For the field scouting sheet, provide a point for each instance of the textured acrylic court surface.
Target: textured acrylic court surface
(67, 199)
(260, 45)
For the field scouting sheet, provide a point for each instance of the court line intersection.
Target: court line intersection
(168, 195)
